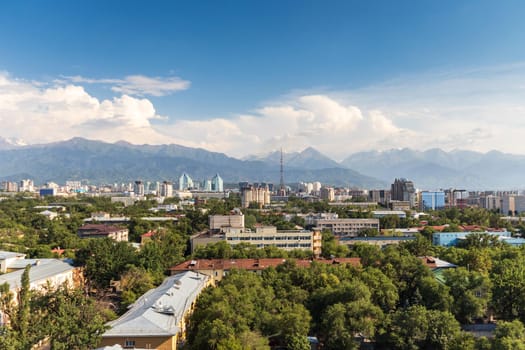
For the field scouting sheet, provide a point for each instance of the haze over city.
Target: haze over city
(247, 78)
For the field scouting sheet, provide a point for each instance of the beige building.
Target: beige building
(263, 236)
(327, 193)
(347, 227)
(252, 194)
(157, 320)
(218, 222)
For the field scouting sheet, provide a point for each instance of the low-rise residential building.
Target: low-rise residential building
(449, 239)
(9, 260)
(157, 320)
(102, 231)
(347, 227)
(218, 268)
(43, 273)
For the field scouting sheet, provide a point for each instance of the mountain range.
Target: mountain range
(101, 162)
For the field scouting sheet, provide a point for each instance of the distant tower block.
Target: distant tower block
(282, 188)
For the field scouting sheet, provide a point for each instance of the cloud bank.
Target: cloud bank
(479, 110)
(37, 113)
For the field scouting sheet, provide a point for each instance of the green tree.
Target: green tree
(418, 328)
(343, 321)
(508, 292)
(471, 292)
(68, 318)
(105, 260)
(509, 336)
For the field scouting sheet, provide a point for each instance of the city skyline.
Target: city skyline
(245, 78)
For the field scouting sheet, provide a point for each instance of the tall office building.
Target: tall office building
(185, 182)
(432, 200)
(404, 190)
(217, 185)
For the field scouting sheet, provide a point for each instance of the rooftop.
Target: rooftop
(254, 264)
(9, 255)
(41, 270)
(160, 311)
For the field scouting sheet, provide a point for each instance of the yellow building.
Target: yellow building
(157, 320)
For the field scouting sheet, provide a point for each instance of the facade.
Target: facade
(403, 190)
(218, 268)
(432, 200)
(218, 222)
(265, 236)
(382, 213)
(492, 202)
(43, 272)
(327, 193)
(258, 194)
(380, 241)
(157, 320)
(138, 188)
(450, 239)
(185, 182)
(379, 196)
(102, 231)
(347, 227)
(48, 192)
(217, 184)
(26, 185)
(166, 189)
(399, 205)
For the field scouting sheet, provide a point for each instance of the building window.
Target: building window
(129, 344)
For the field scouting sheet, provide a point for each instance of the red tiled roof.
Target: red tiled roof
(148, 234)
(254, 264)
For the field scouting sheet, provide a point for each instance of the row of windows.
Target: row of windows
(282, 245)
(260, 238)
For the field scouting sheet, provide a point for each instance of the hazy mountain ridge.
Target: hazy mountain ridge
(435, 168)
(97, 161)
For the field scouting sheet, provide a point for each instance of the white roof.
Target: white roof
(9, 255)
(160, 311)
(41, 270)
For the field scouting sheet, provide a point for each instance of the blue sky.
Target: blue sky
(244, 77)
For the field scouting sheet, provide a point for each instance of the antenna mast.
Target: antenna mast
(282, 189)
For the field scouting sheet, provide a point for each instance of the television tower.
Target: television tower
(282, 189)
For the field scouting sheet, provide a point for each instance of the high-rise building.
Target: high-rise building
(185, 182)
(432, 200)
(217, 185)
(327, 193)
(26, 186)
(259, 194)
(138, 189)
(166, 189)
(404, 190)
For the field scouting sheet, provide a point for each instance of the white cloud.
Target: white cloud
(479, 110)
(38, 114)
(310, 120)
(138, 85)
